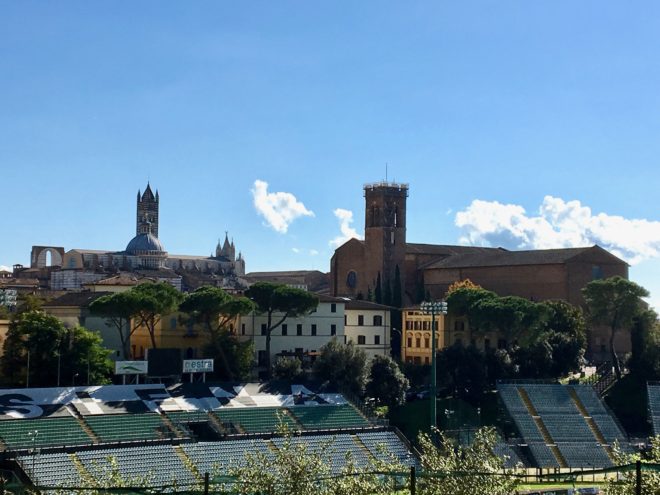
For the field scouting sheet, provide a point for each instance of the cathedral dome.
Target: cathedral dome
(144, 243)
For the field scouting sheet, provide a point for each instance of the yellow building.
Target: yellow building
(4, 328)
(416, 341)
(416, 338)
(171, 331)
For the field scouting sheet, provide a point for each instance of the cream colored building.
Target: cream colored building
(367, 325)
(301, 336)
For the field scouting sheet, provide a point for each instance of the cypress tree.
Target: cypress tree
(379, 291)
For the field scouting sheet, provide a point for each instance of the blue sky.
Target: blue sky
(516, 123)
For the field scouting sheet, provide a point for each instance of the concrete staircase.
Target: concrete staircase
(187, 461)
(83, 424)
(358, 441)
(591, 423)
(542, 428)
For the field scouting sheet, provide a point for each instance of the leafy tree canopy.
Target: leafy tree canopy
(464, 469)
(77, 352)
(614, 302)
(118, 309)
(233, 358)
(280, 299)
(342, 366)
(288, 369)
(387, 384)
(152, 301)
(214, 308)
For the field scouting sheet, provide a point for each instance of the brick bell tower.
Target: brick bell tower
(385, 231)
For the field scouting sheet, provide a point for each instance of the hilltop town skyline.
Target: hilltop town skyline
(525, 135)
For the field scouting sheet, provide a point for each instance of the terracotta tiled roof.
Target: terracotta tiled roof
(362, 304)
(511, 258)
(446, 250)
(82, 299)
(118, 280)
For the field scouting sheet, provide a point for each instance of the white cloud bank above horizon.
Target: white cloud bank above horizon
(279, 209)
(5, 268)
(558, 224)
(345, 218)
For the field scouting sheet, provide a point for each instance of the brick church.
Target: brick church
(429, 269)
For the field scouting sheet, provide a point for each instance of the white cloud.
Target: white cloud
(279, 209)
(558, 224)
(4, 268)
(347, 232)
(295, 250)
(313, 252)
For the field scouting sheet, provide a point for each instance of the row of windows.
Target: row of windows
(284, 329)
(458, 339)
(419, 325)
(376, 322)
(459, 325)
(362, 340)
(418, 342)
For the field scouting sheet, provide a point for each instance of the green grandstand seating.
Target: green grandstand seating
(125, 427)
(321, 417)
(254, 419)
(19, 433)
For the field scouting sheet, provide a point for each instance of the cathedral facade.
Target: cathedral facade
(145, 255)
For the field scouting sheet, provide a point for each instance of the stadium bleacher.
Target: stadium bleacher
(562, 424)
(127, 427)
(144, 431)
(328, 416)
(160, 464)
(253, 419)
(51, 469)
(42, 432)
(506, 452)
(653, 391)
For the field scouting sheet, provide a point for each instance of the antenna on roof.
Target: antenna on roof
(386, 172)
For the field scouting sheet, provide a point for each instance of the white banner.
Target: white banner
(197, 365)
(131, 367)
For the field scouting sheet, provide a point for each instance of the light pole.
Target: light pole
(32, 435)
(433, 308)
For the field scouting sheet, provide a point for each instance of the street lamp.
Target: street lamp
(433, 308)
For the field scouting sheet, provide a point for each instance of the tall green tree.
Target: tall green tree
(462, 370)
(378, 292)
(387, 293)
(215, 310)
(614, 302)
(342, 366)
(75, 354)
(387, 384)
(152, 302)
(564, 331)
(397, 289)
(118, 310)
(279, 302)
(233, 358)
(644, 362)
